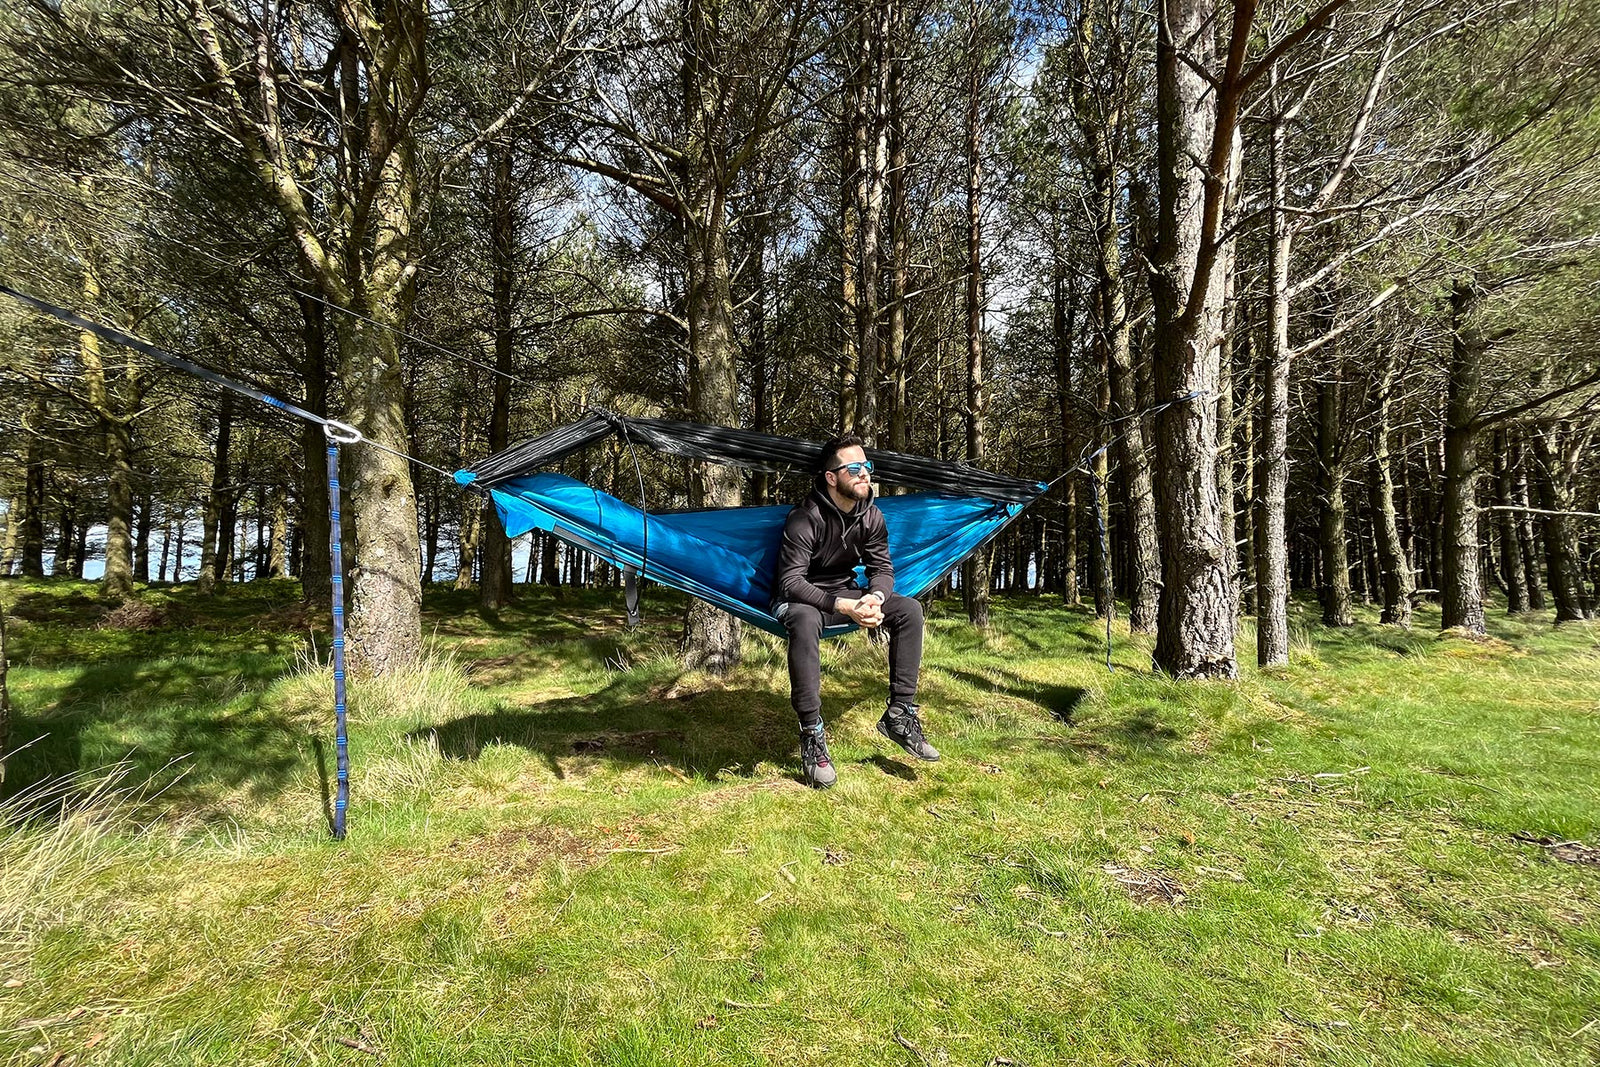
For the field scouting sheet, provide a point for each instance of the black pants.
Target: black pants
(902, 618)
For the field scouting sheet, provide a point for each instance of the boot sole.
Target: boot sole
(907, 749)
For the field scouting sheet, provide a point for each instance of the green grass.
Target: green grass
(561, 851)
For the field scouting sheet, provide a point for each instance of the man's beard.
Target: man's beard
(860, 490)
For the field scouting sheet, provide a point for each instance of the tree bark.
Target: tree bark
(1272, 563)
(1393, 559)
(473, 517)
(316, 560)
(1558, 450)
(495, 591)
(1335, 585)
(211, 519)
(1196, 622)
(711, 637)
(1248, 542)
(870, 187)
(33, 494)
(141, 540)
(13, 524)
(895, 356)
(117, 438)
(178, 549)
(975, 573)
(1063, 318)
(278, 560)
(1462, 589)
(1526, 549)
(1506, 526)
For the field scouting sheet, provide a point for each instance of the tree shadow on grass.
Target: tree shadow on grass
(702, 734)
(200, 718)
(1060, 701)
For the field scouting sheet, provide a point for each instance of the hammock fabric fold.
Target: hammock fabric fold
(728, 556)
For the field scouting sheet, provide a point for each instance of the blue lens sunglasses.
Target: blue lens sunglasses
(855, 469)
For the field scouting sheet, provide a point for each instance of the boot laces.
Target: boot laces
(814, 747)
(908, 722)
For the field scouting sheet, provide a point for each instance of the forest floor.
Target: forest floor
(561, 851)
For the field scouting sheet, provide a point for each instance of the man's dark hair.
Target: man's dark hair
(831, 450)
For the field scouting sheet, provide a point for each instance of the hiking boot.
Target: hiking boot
(814, 758)
(901, 725)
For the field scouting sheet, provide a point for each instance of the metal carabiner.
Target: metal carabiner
(341, 433)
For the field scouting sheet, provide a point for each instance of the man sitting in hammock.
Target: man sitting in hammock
(824, 538)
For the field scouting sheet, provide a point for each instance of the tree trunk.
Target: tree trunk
(1196, 621)
(852, 195)
(1063, 317)
(13, 524)
(1272, 562)
(1247, 558)
(141, 540)
(211, 517)
(178, 549)
(1225, 458)
(473, 510)
(33, 494)
(761, 482)
(711, 637)
(1557, 456)
(550, 565)
(385, 586)
(228, 520)
(895, 356)
(1506, 526)
(1462, 589)
(495, 590)
(975, 577)
(118, 442)
(166, 551)
(1105, 598)
(870, 186)
(80, 546)
(278, 559)
(316, 559)
(1335, 584)
(1526, 549)
(1120, 396)
(66, 534)
(1393, 559)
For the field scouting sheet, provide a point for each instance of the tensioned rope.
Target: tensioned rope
(337, 434)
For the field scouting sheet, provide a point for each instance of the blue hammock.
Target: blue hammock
(727, 556)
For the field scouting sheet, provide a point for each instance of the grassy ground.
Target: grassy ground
(561, 851)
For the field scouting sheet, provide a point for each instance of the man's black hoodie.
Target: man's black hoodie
(822, 545)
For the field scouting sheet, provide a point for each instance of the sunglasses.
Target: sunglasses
(855, 469)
